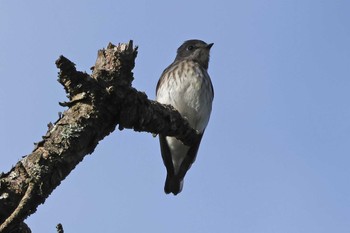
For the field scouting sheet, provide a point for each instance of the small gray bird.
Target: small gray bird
(185, 85)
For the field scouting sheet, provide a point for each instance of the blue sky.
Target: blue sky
(275, 155)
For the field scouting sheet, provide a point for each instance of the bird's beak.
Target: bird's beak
(209, 45)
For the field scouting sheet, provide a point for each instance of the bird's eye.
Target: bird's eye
(191, 47)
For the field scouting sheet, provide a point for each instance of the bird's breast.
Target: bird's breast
(188, 89)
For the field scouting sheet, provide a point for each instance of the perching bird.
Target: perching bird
(185, 85)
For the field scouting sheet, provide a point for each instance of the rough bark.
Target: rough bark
(97, 104)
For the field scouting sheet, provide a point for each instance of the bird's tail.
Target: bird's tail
(173, 185)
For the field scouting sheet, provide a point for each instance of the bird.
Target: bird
(186, 85)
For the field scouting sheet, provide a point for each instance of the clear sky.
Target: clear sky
(275, 156)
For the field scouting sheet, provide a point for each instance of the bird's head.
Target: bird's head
(196, 50)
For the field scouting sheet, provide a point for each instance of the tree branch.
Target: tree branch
(97, 104)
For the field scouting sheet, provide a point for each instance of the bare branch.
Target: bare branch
(97, 104)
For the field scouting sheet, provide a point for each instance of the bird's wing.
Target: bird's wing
(166, 155)
(173, 183)
(190, 157)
